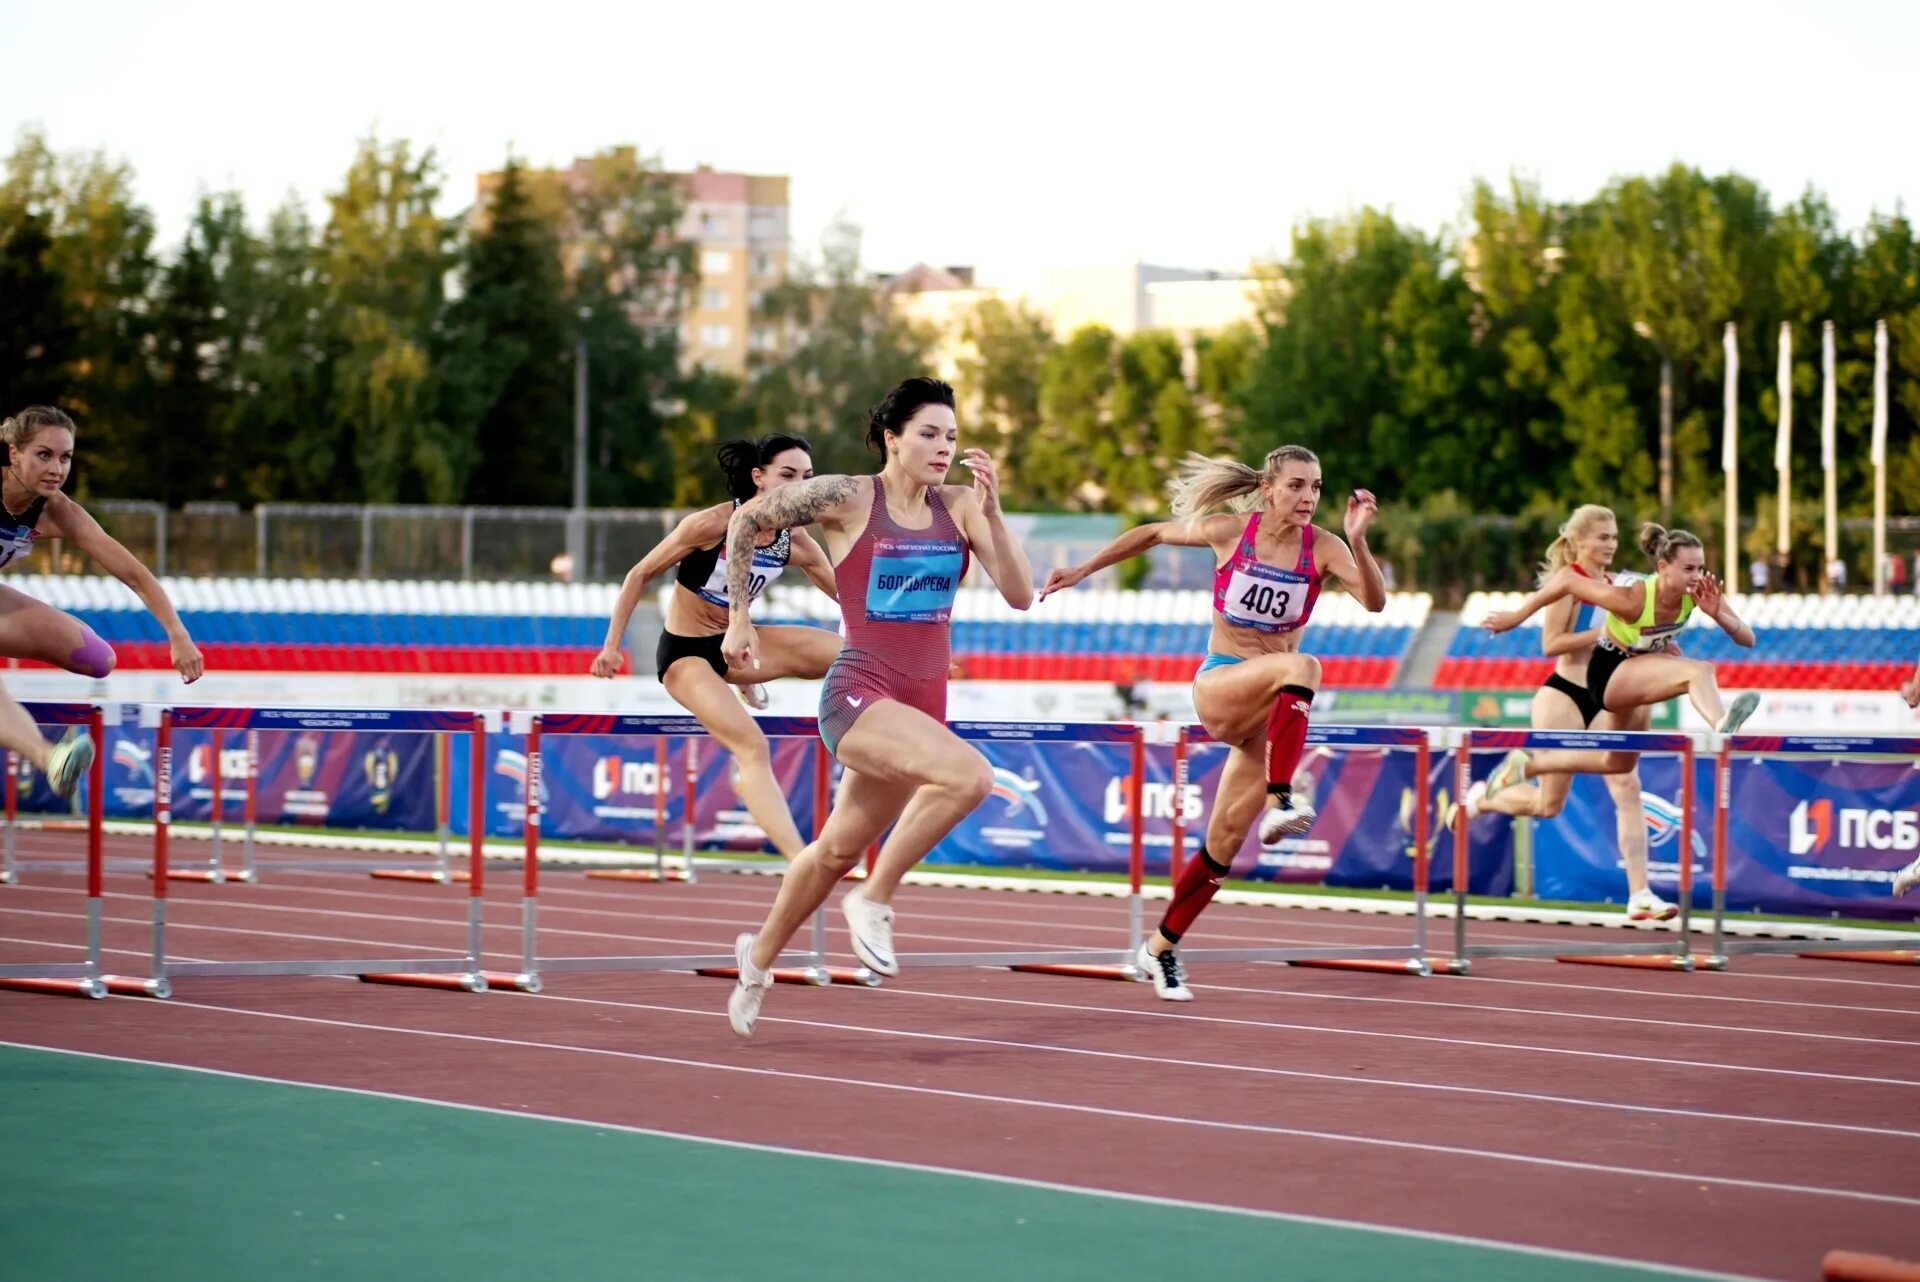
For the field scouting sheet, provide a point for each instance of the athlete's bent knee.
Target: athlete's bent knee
(92, 657)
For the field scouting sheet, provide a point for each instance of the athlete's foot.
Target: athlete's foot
(1168, 975)
(871, 925)
(1738, 712)
(755, 697)
(1511, 771)
(749, 990)
(68, 762)
(1289, 817)
(1644, 905)
(1906, 879)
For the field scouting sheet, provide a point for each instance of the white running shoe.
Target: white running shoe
(1647, 906)
(1738, 712)
(1287, 819)
(1168, 975)
(1475, 795)
(68, 762)
(743, 1003)
(872, 928)
(755, 697)
(1511, 772)
(1907, 878)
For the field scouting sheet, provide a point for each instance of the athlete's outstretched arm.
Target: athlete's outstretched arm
(1354, 565)
(696, 530)
(1711, 599)
(67, 519)
(812, 560)
(824, 498)
(987, 533)
(1193, 532)
(1627, 601)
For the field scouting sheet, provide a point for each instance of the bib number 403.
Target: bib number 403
(1271, 602)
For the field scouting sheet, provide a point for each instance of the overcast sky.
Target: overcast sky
(1008, 136)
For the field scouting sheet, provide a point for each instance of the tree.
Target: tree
(283, 441)
(505, 350)
(385, 256)
(1000, 380)
(38, 339)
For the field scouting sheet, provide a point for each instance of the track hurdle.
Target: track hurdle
(1400, 959)
(808, 967)
(463, 972)
(443, 870)
(1896, 948)
(1655, 950)
(85, 978)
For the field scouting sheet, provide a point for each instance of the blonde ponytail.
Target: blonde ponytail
(1204, 483)
(1563, 552)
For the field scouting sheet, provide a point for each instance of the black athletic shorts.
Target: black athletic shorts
(673, 648)
(1582, 697)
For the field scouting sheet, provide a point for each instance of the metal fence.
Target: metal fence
(1446, 556)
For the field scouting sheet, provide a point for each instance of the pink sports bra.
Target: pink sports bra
(1249, 593)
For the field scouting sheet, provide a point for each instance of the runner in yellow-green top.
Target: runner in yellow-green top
(1637, 659)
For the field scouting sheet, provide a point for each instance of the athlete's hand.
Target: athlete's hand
(1910, 689)
(1060, 581)
(187, 659)
(1362, 507)
(1502, 621)
(608, 662)
(986, 482)
(740, 647)
(1707, 595)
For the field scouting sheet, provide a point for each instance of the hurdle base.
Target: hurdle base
(1419, 966)
(469, 983)
(129, 986)
(638, 874)
(1859, 1266)
(1129, 974)
(210, 876)
(433, 875)
(56, 987)
(1884, 957)
(1633, 961)
(812, 976)
(508, 981)
(9, 879)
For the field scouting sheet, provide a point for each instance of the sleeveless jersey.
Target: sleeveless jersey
(703, 571)
(1248, 593)
(17, 533)
(1643, 634)
(897, 588)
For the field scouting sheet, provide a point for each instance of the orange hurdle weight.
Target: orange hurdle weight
(1419, 966)
(812, 976)
(1129, 973)
(638, 874)
(1886, 957)
(56, 987)
(1634, 961)
(1859, 1266)
(433, 875)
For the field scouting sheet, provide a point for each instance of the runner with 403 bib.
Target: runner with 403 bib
(688, 656)
(32, 504)
(1254, 688)
(900, 543)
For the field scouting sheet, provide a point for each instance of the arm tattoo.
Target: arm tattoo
(788, 506)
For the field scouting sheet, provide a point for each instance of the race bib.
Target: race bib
(766, 568)
(1265, 598)
(913, 580)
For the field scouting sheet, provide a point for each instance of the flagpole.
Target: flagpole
(1730, 453)
(1828, 411)
(1783, 447)
(1878, 454)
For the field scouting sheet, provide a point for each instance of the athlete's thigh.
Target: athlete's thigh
(788, 651)
(31, 629)
(1649, 678)
(696, 687)
(1233, 701)
(892, 742)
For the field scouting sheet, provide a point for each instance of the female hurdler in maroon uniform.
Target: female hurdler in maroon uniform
(899, 542)
(1254, 687)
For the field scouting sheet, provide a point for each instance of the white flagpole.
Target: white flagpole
(1730, 453)
(1878, 455)
(1783, 446)
(1828, 411)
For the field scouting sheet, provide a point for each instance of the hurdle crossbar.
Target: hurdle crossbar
(423, 971)
(1410, 958)
(75, 979)
(1659, 947)
(1883, 948)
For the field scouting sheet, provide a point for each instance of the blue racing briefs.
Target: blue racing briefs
(1213, 661)
(913, 580)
